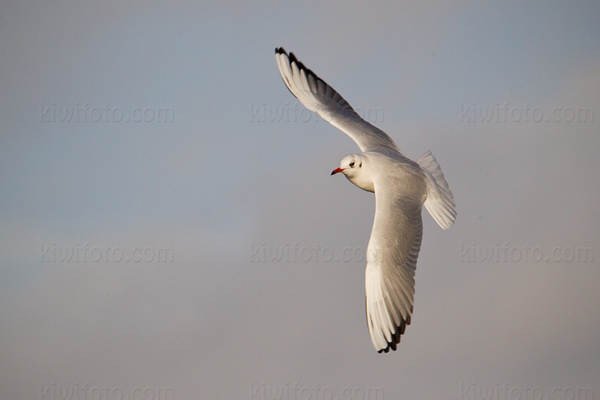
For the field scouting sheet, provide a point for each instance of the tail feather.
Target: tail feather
(440, 200)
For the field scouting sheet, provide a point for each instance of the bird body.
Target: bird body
(401, 188)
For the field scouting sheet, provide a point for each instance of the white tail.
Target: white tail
(440, 201)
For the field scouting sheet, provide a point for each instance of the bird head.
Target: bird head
(349, 166)
(353, 167)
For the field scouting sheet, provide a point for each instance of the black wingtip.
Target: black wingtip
(300, 65)
(292, 59)
(396, 337)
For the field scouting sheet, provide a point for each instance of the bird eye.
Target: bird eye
(352, 164)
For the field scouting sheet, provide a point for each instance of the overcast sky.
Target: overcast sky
(169, 228)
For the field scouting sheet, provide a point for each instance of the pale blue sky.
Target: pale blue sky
(213, 184)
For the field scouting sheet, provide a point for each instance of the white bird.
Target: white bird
(401, 187)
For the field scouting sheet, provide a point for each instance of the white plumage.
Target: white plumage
(401, 187)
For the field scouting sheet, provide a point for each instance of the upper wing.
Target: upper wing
(391, 263)
(318, 96)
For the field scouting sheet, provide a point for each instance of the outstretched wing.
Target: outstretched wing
(391, 263)
(318, 96)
